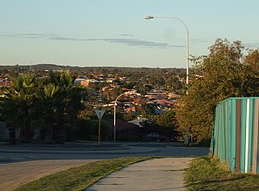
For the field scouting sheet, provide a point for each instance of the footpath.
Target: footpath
(162, 174)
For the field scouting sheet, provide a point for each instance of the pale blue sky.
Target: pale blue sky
(115, 33)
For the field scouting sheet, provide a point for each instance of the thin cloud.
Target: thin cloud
(126, 35)
(132, 42)
(31, 35)
(65, 39)
(126, 41)
(136, 42)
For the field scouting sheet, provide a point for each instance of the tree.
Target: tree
(147, 110)
(167, 122)
(17, 105)
(222, 74)
(67, 102)
(46, 110)
(51, 103)
(252, 59)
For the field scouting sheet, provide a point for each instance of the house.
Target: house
(110, 80)
(127, 131)
(163, 102)
(141, 122)
(130, 109)
(85, 82)
(173, 96)
(4, 82)
(139, 101)
(78, 80)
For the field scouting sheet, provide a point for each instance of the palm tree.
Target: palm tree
(17, 105)
(51, 105)
(44, 113)
(67, 102)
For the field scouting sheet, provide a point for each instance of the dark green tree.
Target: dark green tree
(45, 111)
(17, 105)
(67, 102)
(222, 74)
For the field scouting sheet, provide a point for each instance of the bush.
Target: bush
(88, 130)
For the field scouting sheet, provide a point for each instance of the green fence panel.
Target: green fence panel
(233, 135)
(255, 136)
(234, 138)
(228, 132)
(243, 117)
(215, 134)
(250, 136)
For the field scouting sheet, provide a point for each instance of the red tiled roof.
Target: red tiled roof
(163, 102)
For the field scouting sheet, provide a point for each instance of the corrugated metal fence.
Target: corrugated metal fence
(235, 138)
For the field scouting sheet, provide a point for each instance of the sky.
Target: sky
(114, 32)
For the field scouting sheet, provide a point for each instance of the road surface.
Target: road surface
(23, 163)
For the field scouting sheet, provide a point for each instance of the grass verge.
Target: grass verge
(208, 174)
(79, 178)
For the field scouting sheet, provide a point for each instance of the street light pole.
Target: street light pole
(187, 43)
(114, 111)
(187, 51)
(114, 119)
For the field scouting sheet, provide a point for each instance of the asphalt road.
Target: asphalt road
(22, 163)
(14, 153)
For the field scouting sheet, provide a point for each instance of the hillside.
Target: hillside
(53, 67)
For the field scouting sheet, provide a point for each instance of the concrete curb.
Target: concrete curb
(128, 150)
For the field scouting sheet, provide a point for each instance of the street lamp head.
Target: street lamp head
(149, 17)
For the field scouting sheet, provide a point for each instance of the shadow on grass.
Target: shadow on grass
(215, 184)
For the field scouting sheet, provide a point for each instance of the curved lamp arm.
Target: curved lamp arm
(187, 42)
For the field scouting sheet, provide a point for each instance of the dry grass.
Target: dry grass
(79, 178)
(208, 174)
